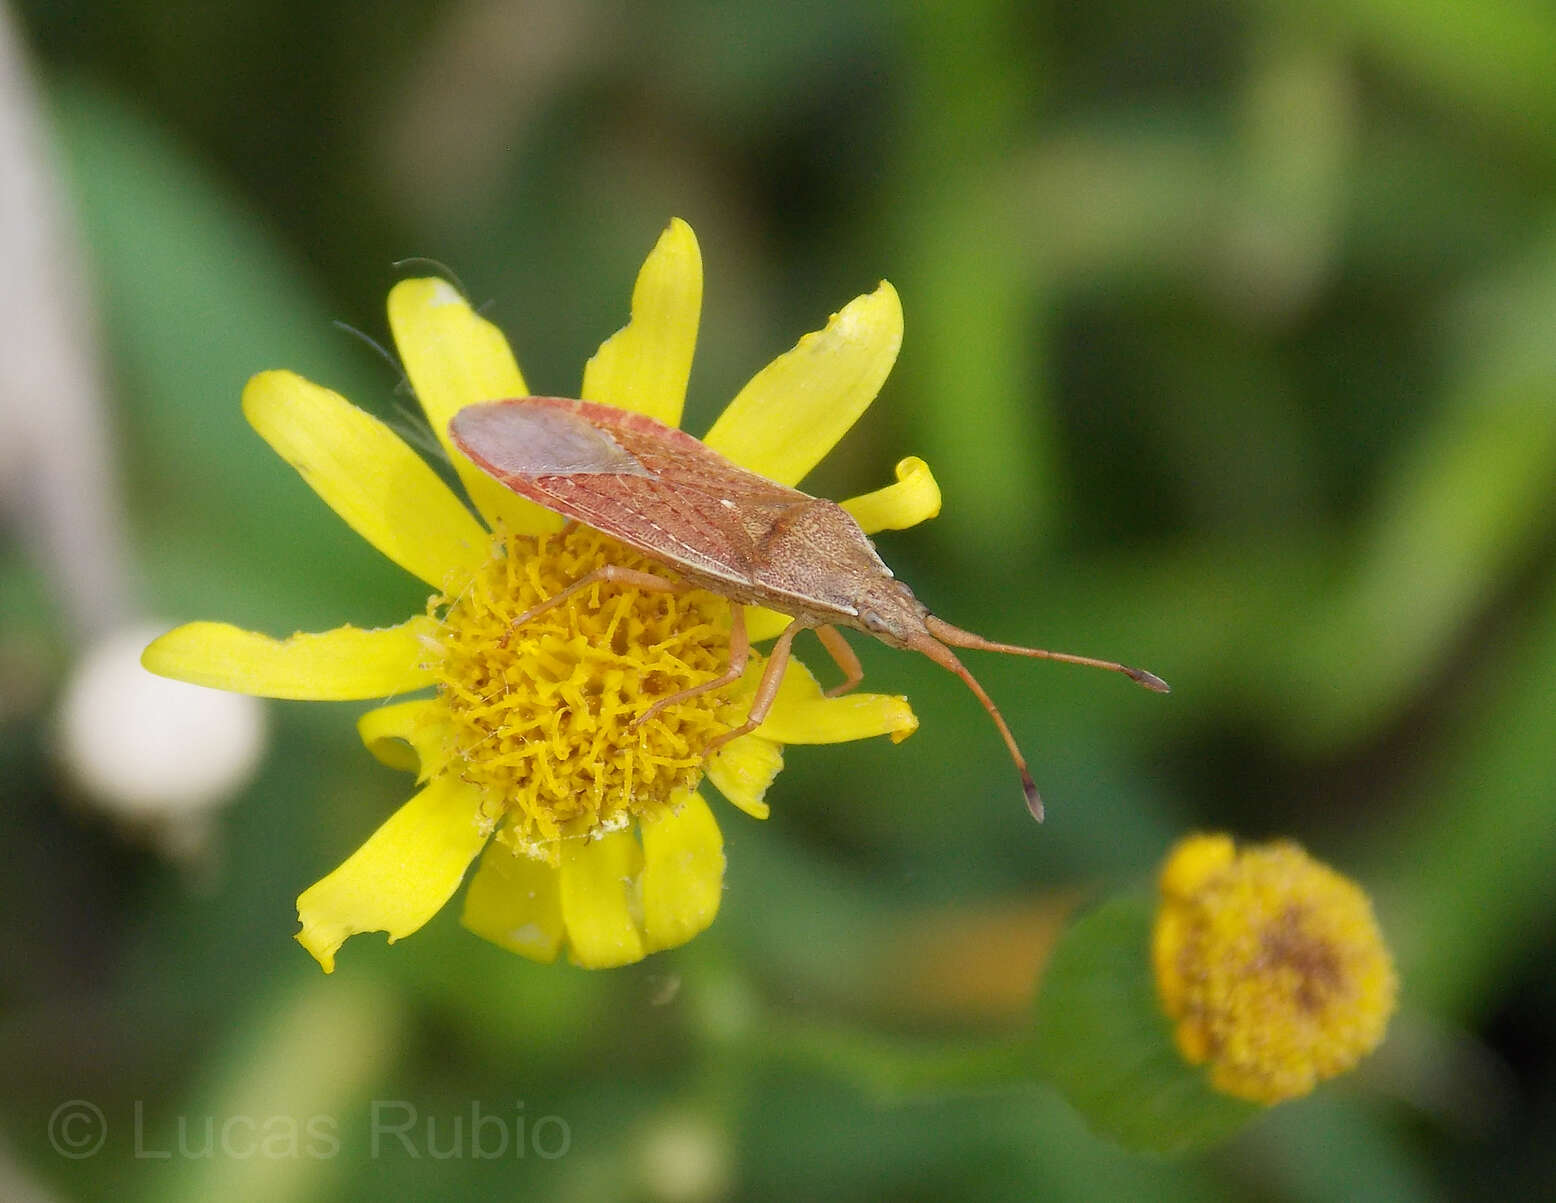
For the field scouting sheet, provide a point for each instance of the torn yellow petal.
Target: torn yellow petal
(743, 769)
(402, 876)
(600, 902)
(345, 664)
(367, 475)
(683, 873)
(796, 408)
(765, 624)
(644, 366)
(913, 499)
(515, 902)
(411, 736)
(456, 358)
(801, 714)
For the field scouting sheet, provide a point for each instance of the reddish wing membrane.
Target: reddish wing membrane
(651, 486)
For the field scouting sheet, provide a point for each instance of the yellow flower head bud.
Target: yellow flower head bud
(1270, 965)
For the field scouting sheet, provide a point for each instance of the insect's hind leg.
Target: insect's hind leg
(843, 656)
(739, 654)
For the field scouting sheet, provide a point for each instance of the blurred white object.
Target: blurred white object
(155, 753)
(57, 473)
(684, 1156)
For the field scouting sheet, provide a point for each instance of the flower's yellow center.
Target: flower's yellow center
(1271, 966)
(544, 714)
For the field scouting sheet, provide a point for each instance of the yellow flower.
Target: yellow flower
(1270, 965)
(594, 835)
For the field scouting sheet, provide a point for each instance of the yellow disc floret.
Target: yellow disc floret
(545, 715)
(1270, 965)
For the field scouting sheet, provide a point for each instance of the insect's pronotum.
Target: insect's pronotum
(726, 530)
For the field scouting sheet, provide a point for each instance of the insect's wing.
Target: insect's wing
(650, 486)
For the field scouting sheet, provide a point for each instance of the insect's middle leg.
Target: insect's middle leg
(739, 653)
(766, 690)
(843, 656)
(608, 575)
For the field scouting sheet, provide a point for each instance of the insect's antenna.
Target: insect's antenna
(957, 637)
(444, 269)
(946, 658)
(383, 354)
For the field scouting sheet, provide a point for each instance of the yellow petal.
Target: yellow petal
(400, 878)
(802, 715)
(764, 624)
(796, 408)
(600, 902)
(411, 736)
(515, 902)
(683, 873)
(743, 769)
(913, 499)
(331, 666)
(456, 358)
(368, 476)
(644, 366)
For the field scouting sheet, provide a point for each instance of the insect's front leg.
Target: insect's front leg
(608, 575)
(766, 690)
(739, 653)
(843, 656)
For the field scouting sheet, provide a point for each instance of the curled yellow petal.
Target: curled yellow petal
(402, 876)
(515, 902)
(345, 664)
(367, 475)
(600, 903)
(743, 769)
(644, 366)
(796, 408)
(683, 873)
(801, 714)
(913, 499)
(455, 358)
(411, 736)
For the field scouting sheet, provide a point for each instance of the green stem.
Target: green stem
(898, 1067)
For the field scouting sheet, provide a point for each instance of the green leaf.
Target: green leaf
(1104, 1042)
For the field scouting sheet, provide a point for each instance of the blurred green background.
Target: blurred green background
(1230, 340)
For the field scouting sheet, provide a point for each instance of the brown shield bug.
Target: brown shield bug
(726, 530)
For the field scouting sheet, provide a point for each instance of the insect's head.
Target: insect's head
(888, 611)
